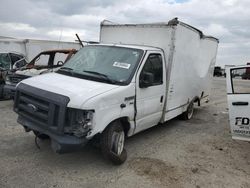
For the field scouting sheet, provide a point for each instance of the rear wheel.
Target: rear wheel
(188, 114)
(112, 143)
(40, 135)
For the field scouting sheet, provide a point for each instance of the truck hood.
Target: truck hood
(78, 90)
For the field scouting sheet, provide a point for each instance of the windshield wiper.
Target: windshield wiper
(106, 77)
(66, 69)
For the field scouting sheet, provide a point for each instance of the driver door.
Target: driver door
(150, 98)
(238, 94)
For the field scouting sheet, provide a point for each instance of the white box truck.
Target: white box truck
(139, 75)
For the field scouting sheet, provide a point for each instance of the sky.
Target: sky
(227, 20)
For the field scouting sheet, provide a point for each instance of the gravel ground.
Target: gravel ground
(195, 153)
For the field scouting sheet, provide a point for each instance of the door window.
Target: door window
(42, 60)
(60, 58)
(153, 65)
(241, 80)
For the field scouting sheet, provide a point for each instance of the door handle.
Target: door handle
(161, 99)
(241, 103)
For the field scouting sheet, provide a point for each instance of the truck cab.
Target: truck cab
(99, 85)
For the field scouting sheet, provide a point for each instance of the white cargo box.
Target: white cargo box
(190, 57)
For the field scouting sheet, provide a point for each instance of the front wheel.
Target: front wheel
(112, 143)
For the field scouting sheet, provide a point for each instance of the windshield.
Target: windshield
(107, 63)
(5, 61)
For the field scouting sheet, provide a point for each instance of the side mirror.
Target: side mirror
(146, 79)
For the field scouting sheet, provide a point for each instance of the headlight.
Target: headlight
(84, 118)
(79, 122)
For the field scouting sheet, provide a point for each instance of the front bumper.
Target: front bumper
(45, 112)
(60, 143)
(9, 90)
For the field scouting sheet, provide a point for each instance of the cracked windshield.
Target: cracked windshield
(116, 63)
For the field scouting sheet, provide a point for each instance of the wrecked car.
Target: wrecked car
(9, 62)
(44, 62)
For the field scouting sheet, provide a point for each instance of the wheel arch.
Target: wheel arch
(124, 122)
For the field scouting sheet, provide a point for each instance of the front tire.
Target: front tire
(112, 143)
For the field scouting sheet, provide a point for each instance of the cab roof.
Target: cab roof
(141, 47)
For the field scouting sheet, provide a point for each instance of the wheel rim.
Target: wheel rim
(190, 110)
(118, 142)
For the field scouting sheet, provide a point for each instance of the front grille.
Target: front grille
(44, 109)
(15, 80)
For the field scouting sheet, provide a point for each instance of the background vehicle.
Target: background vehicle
(217, 71)
(9, 62)
(44, 62)
(31, 47)
(139, 75)
(246, 74)
(17, 49)
(238, 92)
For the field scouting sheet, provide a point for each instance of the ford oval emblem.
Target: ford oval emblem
(32, 107)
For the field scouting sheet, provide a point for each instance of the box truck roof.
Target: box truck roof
(173, 22)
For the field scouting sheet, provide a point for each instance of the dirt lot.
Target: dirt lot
(195, 153)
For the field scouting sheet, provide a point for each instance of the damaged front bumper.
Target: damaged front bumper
(46, 112)
(60, 143)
